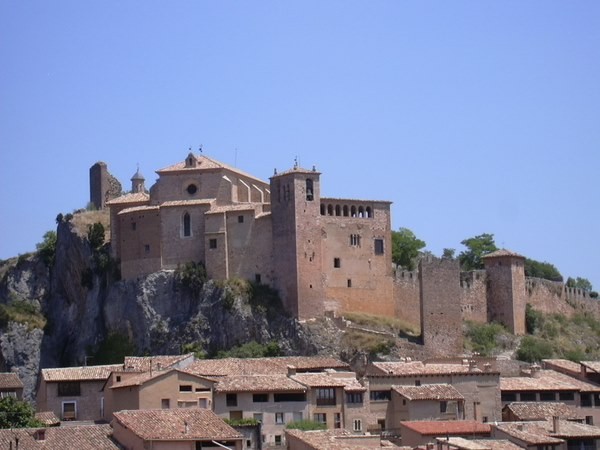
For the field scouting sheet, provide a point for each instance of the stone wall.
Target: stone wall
(554, 297)
(103, 186)
(473, 296)
(407, 295)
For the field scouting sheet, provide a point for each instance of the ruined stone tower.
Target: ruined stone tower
(297, 240)
(103, 186)
(506, 289)
(441, 316)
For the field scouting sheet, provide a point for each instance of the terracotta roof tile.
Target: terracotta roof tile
(86, 373)
(497, 444)
(137, 197)
(502, 252)
(323, 379)
(258, 383)
(201, 201)
(176, 424)
(546, 380)
(399, 368)
(564, 364)
(137, 209)
(48, 418)
(543, 410)
(479, 444)
(158, 362)
(336, 440)
(593, 365)
(429, 392)
(10, 380)
(532, 433)
(90, 437)
(448, 427)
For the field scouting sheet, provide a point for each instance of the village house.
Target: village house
(426, 402)
(479, 388)
(458, 443)
(539, 385)
(423, 432)
(333, 440)
(168, 429)
(535, 411)
(74, 393)
(551, 434)
(88, 437)
(11, 385)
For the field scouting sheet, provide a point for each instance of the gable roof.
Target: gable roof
(502, 252)
(258, 383)
(134, 197)
(88, 437)
(543, 432)
(326, 380)
(158, 362)
(10, 380)
(447, 427)
(418, 368)
(547, 380)
(339, 439)
(429, 392)
(143, 377)
(543, 411)
(85, 373)
(179, 424)
(592, 365)
(478, 444)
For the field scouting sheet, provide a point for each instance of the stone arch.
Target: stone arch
(338, 210)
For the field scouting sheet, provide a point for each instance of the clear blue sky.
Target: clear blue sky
(470, 116)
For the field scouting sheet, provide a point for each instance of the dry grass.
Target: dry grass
(383, 323)
(82, 220)
(367, 342)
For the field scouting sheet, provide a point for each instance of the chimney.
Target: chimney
(487, 367)
(555, 424)
(185, 427)
(472, 365)
(535, 371)
(291, 370)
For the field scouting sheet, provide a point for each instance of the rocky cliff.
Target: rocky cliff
(62, 315)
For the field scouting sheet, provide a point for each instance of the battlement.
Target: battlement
(472, 278)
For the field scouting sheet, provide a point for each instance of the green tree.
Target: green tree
(17, 414)
(477, 247)
(47, 248)
(543, 270)
(306, 425)
(96, 235)
(579, 283)
(534, 349)
(448, 253)
(405, 248)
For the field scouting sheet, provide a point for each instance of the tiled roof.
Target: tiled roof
(89, 437)
(593, 365)
(137, 209)
(236, 207)
(201, 201)
(205, 163)
(86, 373)
(158, 362)
(136, 197)
(336, 440)
(573, 430)
(543, 410)
(352, 200)
(10, 380)
(262, 366)
(547, 380)
(479, 444)
(429, 392)
(323, 379)
(564, 364)
(448, 427)
(413, 368)
(502, 252)
(48, 418)
(176, 424)
(540, 432)
(258, 383)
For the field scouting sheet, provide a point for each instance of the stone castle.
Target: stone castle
(321, 254)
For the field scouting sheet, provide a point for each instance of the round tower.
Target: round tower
(137, 182)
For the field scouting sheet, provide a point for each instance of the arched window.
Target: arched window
(322, 209)
(309, 190)
(329, 210)
(187, 225)
(369, 213)
(361, 212)
(338, 210)
(345, 209)
(353, 211)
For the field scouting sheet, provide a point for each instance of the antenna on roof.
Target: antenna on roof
(296, 162)
(200, 148)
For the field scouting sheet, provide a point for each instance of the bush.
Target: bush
(21, 311)
(17, 414)
(306, 425)
(373, 344)
(534, 349)
(113, 349)
(252, 350)
(483, 336)
(96, 235)
(242, 422)
(47, 248)
(192, 276)
(533, 319)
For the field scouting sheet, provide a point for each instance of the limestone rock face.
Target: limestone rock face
(82, 306)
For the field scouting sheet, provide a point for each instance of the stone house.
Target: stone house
(535, 411)
(11, 385)
(333, 440)
(86, 437)
(165, 389)
(479, 388)
(423, 432)
(539, 385)
(426, 402)
(74, 393)
(174, 429)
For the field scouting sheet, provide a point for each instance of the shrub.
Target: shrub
(113, 349)
(373, 344)
(483, 336)
(96, 235)
(306, 425)
(192, 276)
(17, 414)
(252, 350)
(47, 248)
(534, 349)
(533, 319)
(242, 422)
(21, 311)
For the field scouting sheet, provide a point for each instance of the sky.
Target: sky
(471, 117)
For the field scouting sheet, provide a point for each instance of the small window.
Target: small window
(320, 417)
(69, 389)
(337, 263)
(309, 190)
(69, 411)
(279, 418)
(354, 397)
(147, 248)
(118, 378)
(380, 395)
(349, 282)
(417, 382)
(231, 399)
(133, 226)
(337, 420)
(357, 425)
(192, 189)
(185, 388)
(258, 417)
(187, 225)
(257, 278)
(326, 397)
(509, 397)
(240, 219)
(165, 403)
(260, 398)
(589, 420)
(379, 246)
(355, 240)
(485, 419)
(443, 406)
(248, 443)
(528, 397)
(278, 440)
(212, 243)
